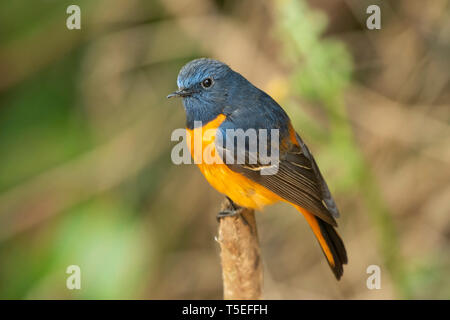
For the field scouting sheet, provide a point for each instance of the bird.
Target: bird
(218, 100)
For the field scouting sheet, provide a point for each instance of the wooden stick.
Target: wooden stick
(242, 271)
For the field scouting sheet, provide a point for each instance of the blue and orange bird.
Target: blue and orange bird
(223, 100)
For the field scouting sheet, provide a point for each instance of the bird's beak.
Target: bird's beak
(180, 93)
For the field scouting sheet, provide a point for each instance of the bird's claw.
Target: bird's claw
(228, 213)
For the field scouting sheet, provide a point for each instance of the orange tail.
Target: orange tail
(329, 240)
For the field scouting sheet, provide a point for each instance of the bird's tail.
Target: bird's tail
(329, 240)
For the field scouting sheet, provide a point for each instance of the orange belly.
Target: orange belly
(238, 188)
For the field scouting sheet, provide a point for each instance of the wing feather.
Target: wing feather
(297, 180)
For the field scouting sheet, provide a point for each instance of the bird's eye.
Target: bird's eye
(207, 83)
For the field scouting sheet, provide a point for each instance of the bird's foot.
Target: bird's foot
(229, 213)
(233, 210)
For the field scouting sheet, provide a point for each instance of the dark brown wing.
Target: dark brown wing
(298, 180)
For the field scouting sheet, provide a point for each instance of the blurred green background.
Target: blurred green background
(85, 171)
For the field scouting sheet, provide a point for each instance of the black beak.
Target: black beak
(180, 93)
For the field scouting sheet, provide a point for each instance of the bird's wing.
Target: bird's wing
(296, 177)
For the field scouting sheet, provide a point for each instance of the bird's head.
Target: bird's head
(201, 78)
(204, 85)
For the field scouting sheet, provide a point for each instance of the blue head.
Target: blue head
(206, 86)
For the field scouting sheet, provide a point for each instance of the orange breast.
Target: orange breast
(238, 188)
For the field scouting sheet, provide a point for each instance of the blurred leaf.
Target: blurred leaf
(110, 248)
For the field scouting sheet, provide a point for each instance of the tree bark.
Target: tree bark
(242, 272)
